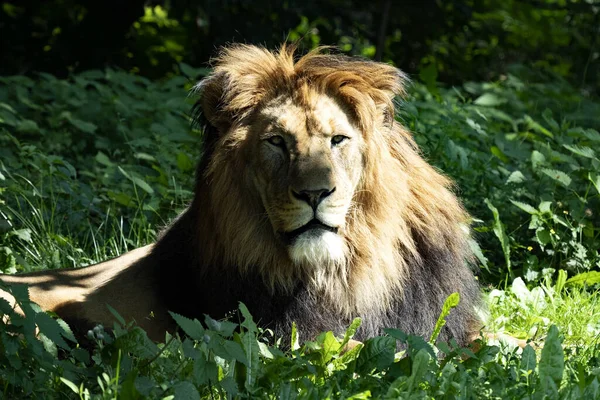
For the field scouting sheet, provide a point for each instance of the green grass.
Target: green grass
(94, 166)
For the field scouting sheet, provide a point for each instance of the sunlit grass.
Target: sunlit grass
(528, 314)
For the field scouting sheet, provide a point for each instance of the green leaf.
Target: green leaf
(103, 159)
(450, 303)
(28, 126)
(489, 100)
(83, 126)
(419, 367)
(192, 328)
(185, 391)
(585, 278)
(205, 371)
(142, 184)
(501, 235)
(351, 331)
(184, 163)
(536, 127)
(495, 150)
(528, 359)
(543, 236)
(595, 179)
(137, 181)
(145, 156)
(249, 343)
(583, 151)
(476, 249)
(537, 159)
(552, 362)
(516, 177)
(23, 234)
(525, 207)
(70, 384)
(51, 329)
(294, 339)
(377, 353)
(545, 207)
(329, 347)
(558, 176)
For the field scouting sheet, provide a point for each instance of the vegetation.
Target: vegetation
(93, 165)
(97, 154)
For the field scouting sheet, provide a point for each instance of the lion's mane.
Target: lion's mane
(406, 232)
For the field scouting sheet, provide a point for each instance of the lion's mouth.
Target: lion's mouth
(314, 224)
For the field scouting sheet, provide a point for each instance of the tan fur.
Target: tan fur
(395, 196)
(398, 191)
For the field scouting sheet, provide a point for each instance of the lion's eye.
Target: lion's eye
(337, 139)
(276, 141)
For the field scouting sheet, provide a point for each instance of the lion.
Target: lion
(312, 205)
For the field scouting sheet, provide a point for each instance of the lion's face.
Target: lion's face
(305, 163)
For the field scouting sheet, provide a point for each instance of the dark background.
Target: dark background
(449, 41)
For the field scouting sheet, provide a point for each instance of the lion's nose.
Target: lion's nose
(313, 197)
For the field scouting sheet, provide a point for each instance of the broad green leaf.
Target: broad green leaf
(419, 367)
(330, 346)
(537, 159)
(229, 350)
(516, 177)
(528, 359)
(450, 303)
(103, 159)
(377, 353)
(489, 100)
(501, 235)
(205, 371)
(248, 322)
(184, 163)
(192, 327)
(543, 236)
(552, 362)
(51, 329)
(225, 328)
(583, 151)
(545, 207)
(142, 184)
(23, 234)
(525, 207)
(28, 126)
(137, 181)
(83, 126)
(185, 391)
(558, 176)
(585, 278)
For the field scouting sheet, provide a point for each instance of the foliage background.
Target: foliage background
(97, 154)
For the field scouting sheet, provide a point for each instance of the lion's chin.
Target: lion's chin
(318, 248)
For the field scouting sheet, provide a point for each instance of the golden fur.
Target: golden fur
(399, 193)
(397, 251)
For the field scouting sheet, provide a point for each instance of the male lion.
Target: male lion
(312, 204)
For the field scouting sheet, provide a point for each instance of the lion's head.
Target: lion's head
(308, 177)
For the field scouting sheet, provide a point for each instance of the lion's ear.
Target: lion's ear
(383, 83)
(210, 105)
